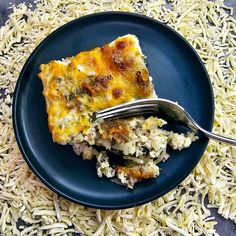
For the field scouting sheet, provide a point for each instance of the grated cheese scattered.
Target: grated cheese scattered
(209, 28)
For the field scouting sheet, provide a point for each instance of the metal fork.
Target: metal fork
(166, 109)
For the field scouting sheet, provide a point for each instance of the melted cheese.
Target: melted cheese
(91, 81)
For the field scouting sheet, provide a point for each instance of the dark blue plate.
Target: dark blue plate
(178, 74)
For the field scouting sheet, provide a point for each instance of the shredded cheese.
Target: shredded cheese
(209, 28)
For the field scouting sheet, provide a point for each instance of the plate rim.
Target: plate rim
(17, 90)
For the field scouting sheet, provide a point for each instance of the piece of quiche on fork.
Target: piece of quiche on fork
(77, 87)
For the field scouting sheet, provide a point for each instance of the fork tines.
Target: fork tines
(134, 108)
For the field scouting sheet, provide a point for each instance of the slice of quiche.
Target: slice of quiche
(77, 87)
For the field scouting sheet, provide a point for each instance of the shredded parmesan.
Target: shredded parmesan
(211, 31)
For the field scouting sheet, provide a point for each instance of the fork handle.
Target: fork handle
(218, 137)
